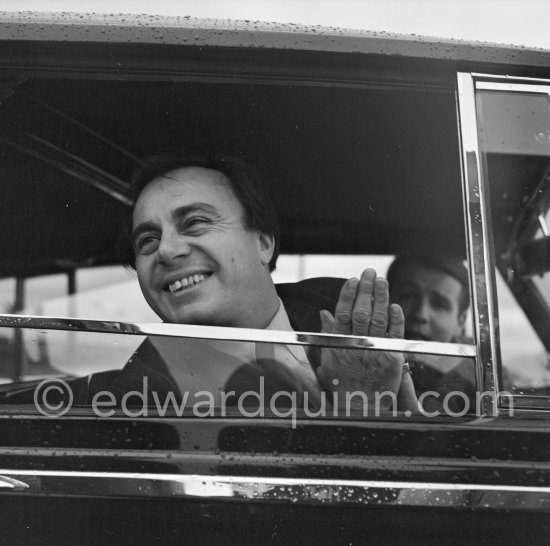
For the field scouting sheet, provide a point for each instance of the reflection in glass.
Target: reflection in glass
(171, 376)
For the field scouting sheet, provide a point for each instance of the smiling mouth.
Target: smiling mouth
(187, 282)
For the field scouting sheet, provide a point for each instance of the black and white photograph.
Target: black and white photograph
(275, 272)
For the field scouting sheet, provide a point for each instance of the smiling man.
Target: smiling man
(205, 239)
(197, 259)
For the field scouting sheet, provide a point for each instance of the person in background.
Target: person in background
(433, 290)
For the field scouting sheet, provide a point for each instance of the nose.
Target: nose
(421, 310)
(172, 246)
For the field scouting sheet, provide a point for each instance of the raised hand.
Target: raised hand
(363, 309)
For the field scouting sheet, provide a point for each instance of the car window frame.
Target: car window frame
(480, 235)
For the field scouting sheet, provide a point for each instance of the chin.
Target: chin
(418, 337)
(198, 317)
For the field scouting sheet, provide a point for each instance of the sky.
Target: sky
(519, 22)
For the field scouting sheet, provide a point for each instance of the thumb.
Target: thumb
(327, 322)
(406, 397)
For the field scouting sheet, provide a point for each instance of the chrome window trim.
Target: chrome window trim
(490, 78)
(478, 239)
(273, 489)
(526, 402)
(236, 334)
(511, 86)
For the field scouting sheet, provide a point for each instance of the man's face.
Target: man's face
(430, 301)
(195, 260)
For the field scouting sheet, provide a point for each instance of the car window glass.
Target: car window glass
(70, 145)
(524, 358)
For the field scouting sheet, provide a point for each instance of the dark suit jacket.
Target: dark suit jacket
(305, 299)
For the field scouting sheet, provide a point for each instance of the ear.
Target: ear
(461, 322)
(266, 246)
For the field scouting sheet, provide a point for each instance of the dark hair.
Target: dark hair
(249, 188)
(445, 263)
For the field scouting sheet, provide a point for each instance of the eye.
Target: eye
(440, 303)
(196, 220)
(146, 244)
(195, 224)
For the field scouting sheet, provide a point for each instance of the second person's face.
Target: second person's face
(430, 301)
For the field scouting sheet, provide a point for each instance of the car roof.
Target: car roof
(183, 30)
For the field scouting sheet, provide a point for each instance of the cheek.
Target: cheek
(143, 272)
(445, 322)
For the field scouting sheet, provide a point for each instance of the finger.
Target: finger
(327, 322)
(344, 307)
(381, 299)
(362, 308)
(397, 322)
(406, 398)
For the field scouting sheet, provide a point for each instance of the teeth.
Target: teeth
(186, 282)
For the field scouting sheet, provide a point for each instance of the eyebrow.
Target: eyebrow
(144, 227)
(180, 212)
(443, 296)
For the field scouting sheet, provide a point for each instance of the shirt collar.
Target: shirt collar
(280, 321)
